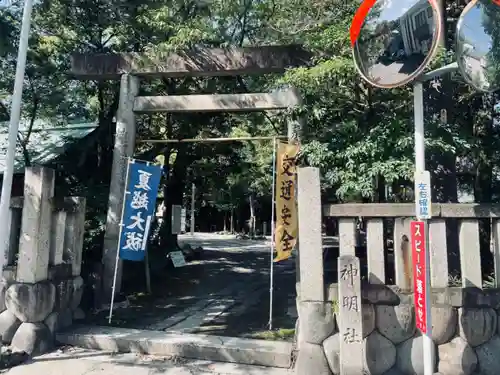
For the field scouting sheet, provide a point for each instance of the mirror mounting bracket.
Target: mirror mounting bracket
(450, 68)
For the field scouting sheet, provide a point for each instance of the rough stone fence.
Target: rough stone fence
(465, 319)
(41, 287)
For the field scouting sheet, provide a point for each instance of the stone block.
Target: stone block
(395, 371)
(73, 235)
(477, 326)
(33, 338)
(34, 244)
(4, 285)
(9, 274)
(456, 358)
(64, 294)
(78, 289)
(59, 272)
(194, 346)
(374, 294)
(368, 312)
(380, 354)
(454, 296)
(444, 323)
(331, 347)
(472, 297)
(78, 314)
(65, 319)
(57, 237)
(31, 303)
(409, 359)
(350, 314)
(312, 360)
(52, 323)
(8, 326)
(317, 321)
(311, 255)
(488, 357)
(397, 323)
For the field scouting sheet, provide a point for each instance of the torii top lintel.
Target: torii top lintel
(195, 62)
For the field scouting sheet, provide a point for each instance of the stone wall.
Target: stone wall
(31, 314)
(466, 332)
(41, 287)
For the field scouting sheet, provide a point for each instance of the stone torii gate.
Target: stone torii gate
(128, 68)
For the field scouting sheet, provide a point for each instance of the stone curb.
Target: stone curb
(212, 348)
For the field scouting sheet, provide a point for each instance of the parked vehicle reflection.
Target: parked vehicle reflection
(397, 41)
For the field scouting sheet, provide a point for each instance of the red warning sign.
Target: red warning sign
(419, 248)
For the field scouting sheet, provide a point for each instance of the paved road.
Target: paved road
(74, 361)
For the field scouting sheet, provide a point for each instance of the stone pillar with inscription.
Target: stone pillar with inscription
(350, 316)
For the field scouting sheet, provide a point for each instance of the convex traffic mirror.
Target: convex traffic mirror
(394, 40)
(478, 45)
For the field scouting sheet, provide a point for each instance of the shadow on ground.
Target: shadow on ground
(234, 269)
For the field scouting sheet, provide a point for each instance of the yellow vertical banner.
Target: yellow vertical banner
(286, 232)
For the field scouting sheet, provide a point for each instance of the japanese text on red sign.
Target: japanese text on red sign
(419, 273)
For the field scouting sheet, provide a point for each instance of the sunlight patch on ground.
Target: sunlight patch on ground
(242, 270)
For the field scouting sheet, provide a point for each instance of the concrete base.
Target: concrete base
(212, 348)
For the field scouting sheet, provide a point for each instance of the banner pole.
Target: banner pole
(129, 161)
(271, 277)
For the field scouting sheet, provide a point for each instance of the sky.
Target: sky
(472, 30)
(396, 8)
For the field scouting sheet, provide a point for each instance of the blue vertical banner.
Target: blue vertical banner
(139, 208)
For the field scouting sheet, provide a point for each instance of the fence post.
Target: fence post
(316, 319)
(312, 285)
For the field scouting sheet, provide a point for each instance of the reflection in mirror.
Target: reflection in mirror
(478, 45)
(397, 40)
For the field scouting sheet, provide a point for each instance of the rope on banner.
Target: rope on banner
(147, 162)
(271, 273)
(129, 161)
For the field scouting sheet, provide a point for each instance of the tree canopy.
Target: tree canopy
(359, 136)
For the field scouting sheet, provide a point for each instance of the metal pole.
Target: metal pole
(418, 97)
(117, 260)
(271, 278)
(15, 115)
(193, 199)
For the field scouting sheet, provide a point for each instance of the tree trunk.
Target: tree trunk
(232, 220)
(252, 215)
(381, 189)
